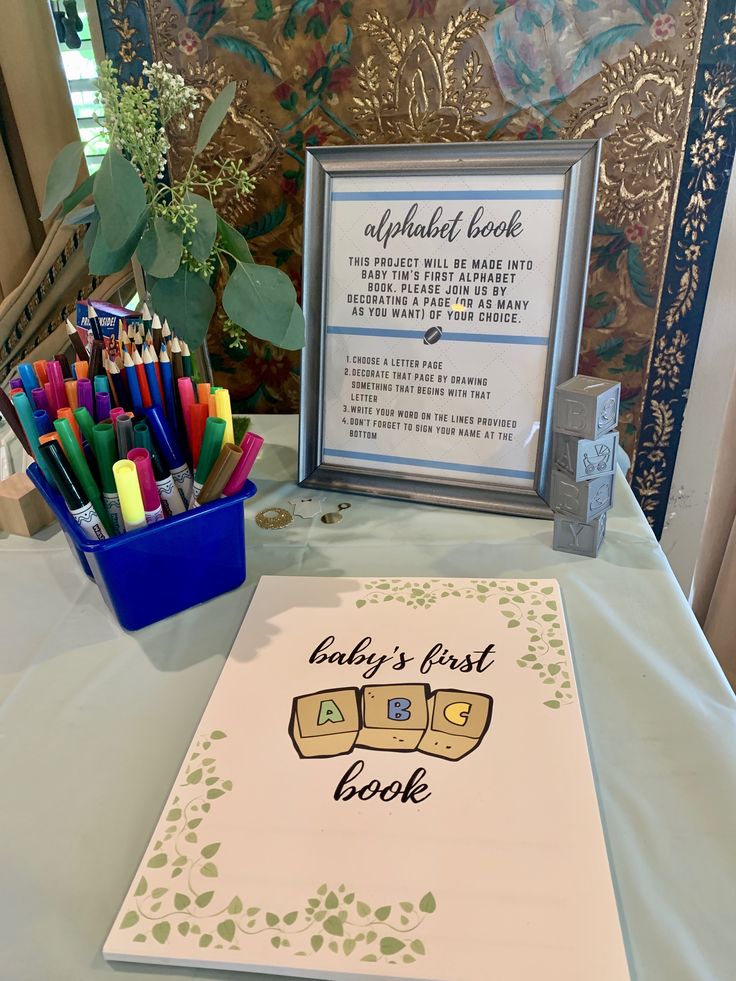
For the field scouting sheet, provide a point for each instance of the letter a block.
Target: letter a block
(577, 537)
(325, 723)
(586, 407)
(458, 720)
(582, 459)
(582, 500)
(394, 716)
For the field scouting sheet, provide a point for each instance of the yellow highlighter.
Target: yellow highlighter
(223, 410)
(129, 492)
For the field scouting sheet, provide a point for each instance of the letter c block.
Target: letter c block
(458, 721)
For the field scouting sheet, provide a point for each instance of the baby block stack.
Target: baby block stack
(584, 457)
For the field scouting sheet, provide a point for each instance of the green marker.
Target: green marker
(86, 424)
(214, 433)
(79, 465)
(106, 450)
(23, 407)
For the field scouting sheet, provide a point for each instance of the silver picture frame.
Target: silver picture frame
(577, 161)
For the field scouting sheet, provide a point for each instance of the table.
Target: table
(94, 722)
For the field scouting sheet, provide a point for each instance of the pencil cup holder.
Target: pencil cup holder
(190, 557)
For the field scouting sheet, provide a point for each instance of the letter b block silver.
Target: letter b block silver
(581, 500)
(583, 459)
(586, 407)
(578, 537)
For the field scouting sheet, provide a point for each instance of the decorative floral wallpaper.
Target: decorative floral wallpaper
(326, 71)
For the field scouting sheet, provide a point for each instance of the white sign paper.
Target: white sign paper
(439, 307)
(391, 780)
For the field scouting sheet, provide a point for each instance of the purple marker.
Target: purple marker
(84, 395)
(102, 406)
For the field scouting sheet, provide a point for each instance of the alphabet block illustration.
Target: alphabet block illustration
(325, 723)
(394, 716)
(586, 407)
(582, 500)
(458, 720)
(582, 459)
(577, 537)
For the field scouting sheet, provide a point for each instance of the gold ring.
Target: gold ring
(273, 518)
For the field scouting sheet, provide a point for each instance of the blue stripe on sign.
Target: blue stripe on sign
(538, 195)
(446, 335)
(411, 462)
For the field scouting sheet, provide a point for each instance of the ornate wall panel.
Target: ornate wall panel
(326, 71)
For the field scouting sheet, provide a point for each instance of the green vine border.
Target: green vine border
(331, 919)
(525, 604)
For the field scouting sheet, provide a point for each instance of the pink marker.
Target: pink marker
(50, 394)
(116, 413)
(251, 444)
(186, 397)
(149, 491)
(56, 379)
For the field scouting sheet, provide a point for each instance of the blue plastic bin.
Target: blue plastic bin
(182, 561)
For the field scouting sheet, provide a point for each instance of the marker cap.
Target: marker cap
(149, 491)
(129, 492)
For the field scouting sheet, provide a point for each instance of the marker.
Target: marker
(84, 394)
(171, 499)
(16, 386)
(48, 391)
(214, 430)
(149, 492)
(11, 416)
(203, 393)
(151, 379)
(220, 474)
(186, 359)
(86, 423)
(80, 467)
(186, 400)
(133, 386)
(70, 387)
(115, 413)
(81, 369)
(56, 380)
(104, 445)
(41, 373)
(101, 384)
(43, 423)
(124, 435)
(251, 444)
(177, 366)
(66, 413)
(40, 399)
(198, 416)
(129, 492)
(28, 379)
(223, 410)
(73, 491)
(167, 443)
(118, 385)
(168, 383)
(95, 360)
(77, 343)
(102, 406)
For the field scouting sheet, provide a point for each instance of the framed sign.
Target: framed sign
(443, 292)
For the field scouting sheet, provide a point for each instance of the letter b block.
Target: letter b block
(586, 407)
(582, 500)
(325, 723)
(394, 716)
(458, 720)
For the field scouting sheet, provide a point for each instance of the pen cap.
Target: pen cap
(203, 393)
(84, 394)
(116, 413)
(165, 438)
(42, 421)
(220, 473)
(70, 387)
(251, 444)
(66, 480)
(129, 492)
(149, 491)
(65, 412)
(106, 451)
(40, 369)
(223, 410)
(102, 405)
(40, 399)
(124, 435)
(28, 378)
(214, 431)
(86, 423)
(198, 415)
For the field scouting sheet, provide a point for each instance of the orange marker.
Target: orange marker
(41, 373)
(66, 413)
(70, 387)
(81, 368)
(203, 393)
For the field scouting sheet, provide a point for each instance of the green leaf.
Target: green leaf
(187, 302)
(142, 886)
(62, 177)
(195, 776)
(183, 929)
(252, 910)
(226, 929)
(205, 940)
(362, 908)
(212, 119)
(407, 907)
(159, 250)
(161, 932)
(76, 197)
(417, 946)
(120, 198)
(552, 703)
(428, 904)
(290, 917)
(331, 901)
(272, 919)
(333, 925)
(218, 734)
(276, 942)
(181, 901)
(102, 259)
(233, 241)
(383, 913)
(369, 957)
(316, 942)
(322, 889)
(157, 861)
(348, 946)
(265, 224)
(264, 10)
(390, 945)
(263, 300)
(174, 814)
(130, 919)
(180, 860)
(209, 869)
(236, 906)
(159, 892)
(333, 946)
(194, 823)
(214, 794)
(210, 850)
(139, 938)
(83, 216)
(204, 898)
(238, 45)
(200, 240)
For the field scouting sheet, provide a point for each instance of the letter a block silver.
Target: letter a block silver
(581, 500)
(586, 407)
(583, 459)
(578, 537)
